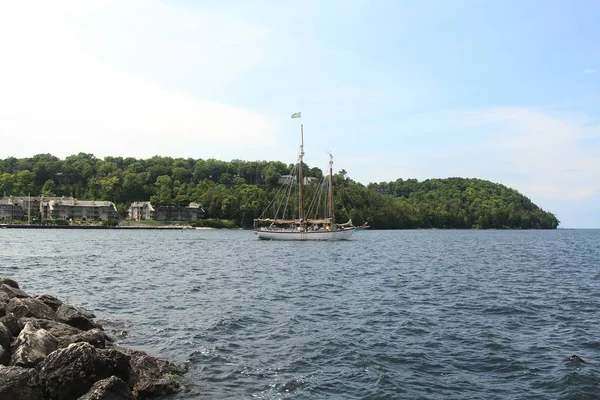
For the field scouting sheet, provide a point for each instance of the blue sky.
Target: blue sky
(507, 91)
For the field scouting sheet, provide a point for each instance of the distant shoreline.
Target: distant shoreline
(23, 226)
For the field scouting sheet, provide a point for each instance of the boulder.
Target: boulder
(111, 388)
(11, 321)
(114, 362)
(73, 316)
(67, 334)
(7, 281)
(5, 340)
(56, 328)
(70, 372)
(18, 383)
(32, 346)
(4, 356)
(86, 313)
(6, 337)
(4, 299)
(95, 337)
(13, 292)
(29, 307)
(153, 377)
(50, 301)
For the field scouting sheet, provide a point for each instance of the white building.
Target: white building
(140, 210)
(84, 210)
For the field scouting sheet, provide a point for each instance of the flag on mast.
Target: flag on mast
(297, 115)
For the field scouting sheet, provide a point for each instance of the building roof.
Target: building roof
(93, 203)
(9, 201)
(71, 202)
(141, 204)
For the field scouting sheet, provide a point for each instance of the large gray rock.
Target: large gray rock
(4, 299)
(32, 346)
(153, 377)
(113, 362)
(86, 313)
(7, 281)
(11, 321)
(70, 372)
(13, 292)
(18, 383)
(4, 356)
(67, 334)
(73, 316)
(5, 340)
(29, 307)
(111, 388)
(58, 329)
(6, 337)
(95, 337)
(50, 301)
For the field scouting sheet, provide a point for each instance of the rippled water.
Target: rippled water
(390, 314)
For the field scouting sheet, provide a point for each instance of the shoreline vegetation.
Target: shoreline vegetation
(53, 350)
(234, 193)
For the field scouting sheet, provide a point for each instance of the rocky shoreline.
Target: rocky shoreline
(52, 350)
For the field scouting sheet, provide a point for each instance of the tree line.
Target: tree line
(240, 190)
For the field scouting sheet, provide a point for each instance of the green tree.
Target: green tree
(24, 183)
(164, 190)
(49, 188)
(272, 176)
(110, 188)
(7, 184)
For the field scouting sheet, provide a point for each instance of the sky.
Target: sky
(507, 91)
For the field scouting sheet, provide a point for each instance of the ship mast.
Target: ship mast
(300, 200)
(331, 188)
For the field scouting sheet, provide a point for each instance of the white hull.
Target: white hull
(268, 234)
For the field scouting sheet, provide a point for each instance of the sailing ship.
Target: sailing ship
(307, 225)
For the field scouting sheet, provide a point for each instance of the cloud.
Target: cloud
(61, 97)
(545, 154)
(538, 152)
(589, 71)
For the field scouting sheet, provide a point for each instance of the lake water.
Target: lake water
(426, 314)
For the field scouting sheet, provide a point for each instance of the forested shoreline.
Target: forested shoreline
(240, 190)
